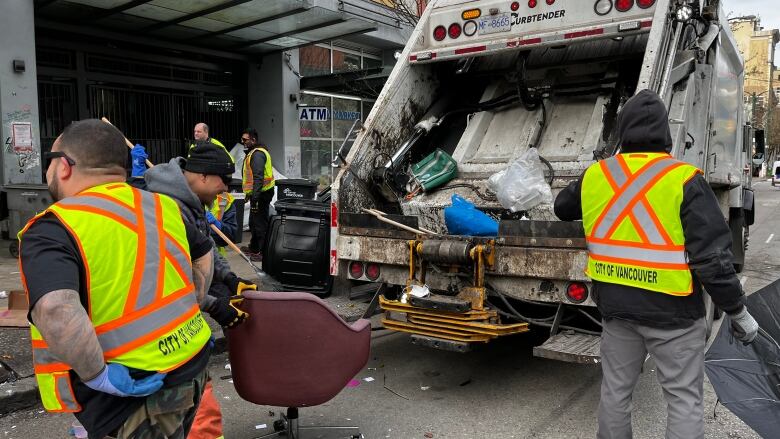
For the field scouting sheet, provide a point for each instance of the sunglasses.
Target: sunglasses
(51, 155)
(245, 139)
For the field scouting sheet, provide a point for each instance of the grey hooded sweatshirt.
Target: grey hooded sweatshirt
(169, 179)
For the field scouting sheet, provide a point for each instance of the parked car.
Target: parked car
(775, 172)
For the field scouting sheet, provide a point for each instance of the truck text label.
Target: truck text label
(517, 19)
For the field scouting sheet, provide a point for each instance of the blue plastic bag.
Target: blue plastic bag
(462, 218)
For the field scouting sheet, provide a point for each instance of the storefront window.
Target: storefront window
(315, 161)
(345, 112)
(314, 124)
(369, 63)
(314, 60)
(344, 61)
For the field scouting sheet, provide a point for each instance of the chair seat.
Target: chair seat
(294, 350)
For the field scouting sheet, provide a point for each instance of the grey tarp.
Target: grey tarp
(747, 378)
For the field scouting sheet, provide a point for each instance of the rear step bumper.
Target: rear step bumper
(571, 347)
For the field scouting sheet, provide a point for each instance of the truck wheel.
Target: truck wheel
(737, 226)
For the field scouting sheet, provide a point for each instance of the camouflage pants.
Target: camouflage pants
(167, 414)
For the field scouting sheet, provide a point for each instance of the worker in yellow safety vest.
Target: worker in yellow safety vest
(201, 132)
(258, 185)
(114, 278)
(655, 236)
(222, 214)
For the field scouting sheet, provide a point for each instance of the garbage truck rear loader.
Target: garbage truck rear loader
(484, 81)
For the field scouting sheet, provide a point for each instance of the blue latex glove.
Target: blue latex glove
(138, 153)
(213, 220)
(115, 379)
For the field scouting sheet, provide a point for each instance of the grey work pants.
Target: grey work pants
(679, 359)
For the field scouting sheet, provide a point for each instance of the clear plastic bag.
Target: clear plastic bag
(521, 186)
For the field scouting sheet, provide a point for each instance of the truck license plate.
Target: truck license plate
(494, 24)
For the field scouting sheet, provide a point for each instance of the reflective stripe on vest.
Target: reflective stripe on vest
(632, 239)
(139, 282)
(268, 172)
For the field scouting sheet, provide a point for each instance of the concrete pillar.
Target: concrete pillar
(19, 95)
(273, 113)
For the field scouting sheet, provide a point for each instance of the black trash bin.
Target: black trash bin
(295, 188)
(297, 249)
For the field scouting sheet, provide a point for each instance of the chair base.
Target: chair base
(287, 426)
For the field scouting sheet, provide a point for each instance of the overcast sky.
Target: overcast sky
(768, 10)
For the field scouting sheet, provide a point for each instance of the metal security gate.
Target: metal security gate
(155, 103)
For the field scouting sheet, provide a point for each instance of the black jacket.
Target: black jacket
(707, 236)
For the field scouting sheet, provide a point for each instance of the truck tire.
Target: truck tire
(738, 244)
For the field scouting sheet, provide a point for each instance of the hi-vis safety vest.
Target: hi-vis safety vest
(631, 215)
(268, 172)
(141, 297)
(218, 208)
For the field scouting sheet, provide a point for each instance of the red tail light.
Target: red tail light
(454, 30)
(372, 272)
(550, 2)
(577, 292)
(623, 5)
(514, 6)
(439, 33)
(531, 3)
(356, 269)
(644, 4)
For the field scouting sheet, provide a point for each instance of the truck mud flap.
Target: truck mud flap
(571, 347)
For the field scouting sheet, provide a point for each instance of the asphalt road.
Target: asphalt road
(499, 390)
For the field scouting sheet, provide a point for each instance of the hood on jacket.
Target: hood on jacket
(643, 124)
(169, 179)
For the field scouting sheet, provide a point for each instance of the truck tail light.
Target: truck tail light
(644, 4)
(550, 2)
(514, 6)
(471, 14)
(531, 3)
(439, 33)
(356, 269)
(577, 292)
(623, 5)
(603, 7)
(372, 272)
(454, 30)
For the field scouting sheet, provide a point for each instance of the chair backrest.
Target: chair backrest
(294, 350)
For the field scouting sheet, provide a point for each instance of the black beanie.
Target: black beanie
(643, 124)
(210, 159)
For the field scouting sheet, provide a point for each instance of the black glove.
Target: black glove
(238, 285)
(224, 311)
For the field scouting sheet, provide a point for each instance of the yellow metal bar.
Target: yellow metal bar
(492, 328)
(414, 329)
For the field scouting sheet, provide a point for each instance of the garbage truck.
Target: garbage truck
(485, 81)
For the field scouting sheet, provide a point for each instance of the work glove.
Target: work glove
(213, 220)
(115, 379)
(743, 326)
(138, 153)
(238, 285)
(225, 312)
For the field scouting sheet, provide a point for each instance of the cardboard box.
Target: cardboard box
(16, 314)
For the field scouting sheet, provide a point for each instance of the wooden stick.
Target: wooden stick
(399, 225)
(377, 212)
(129, 143)
(228, 241)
